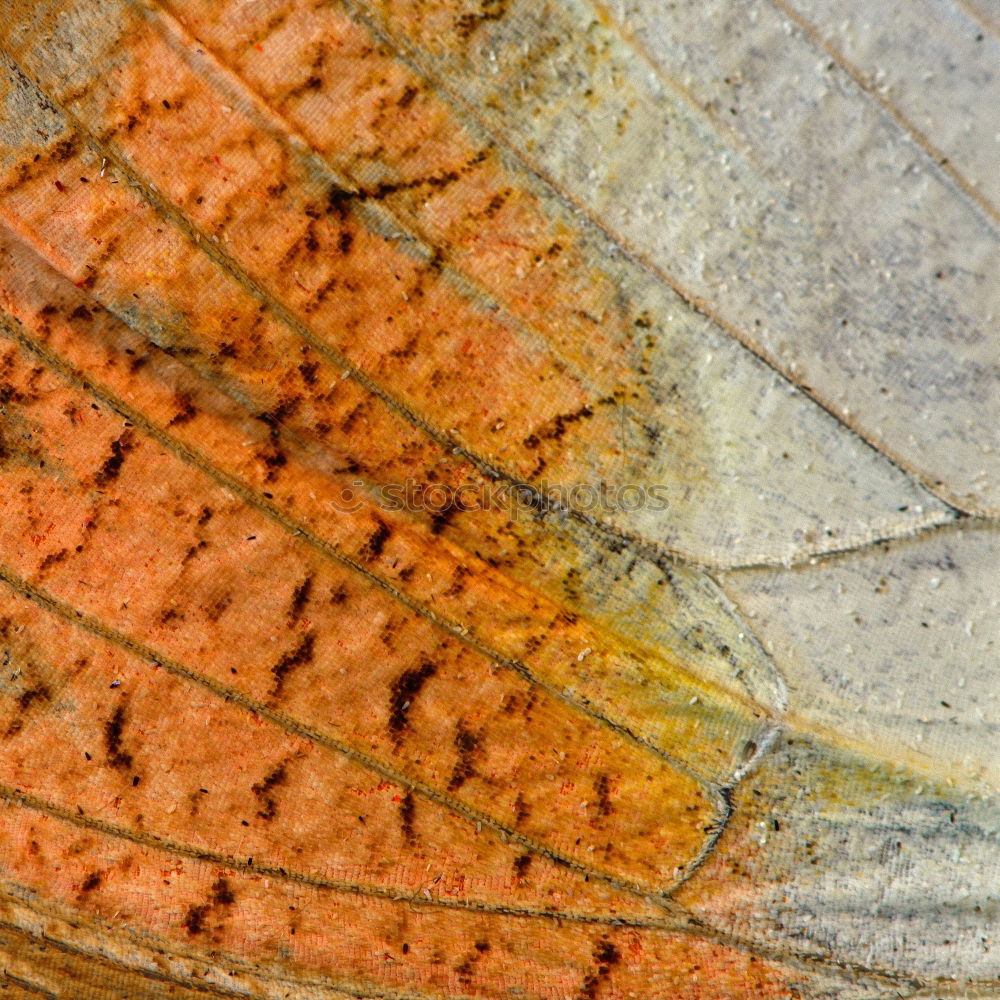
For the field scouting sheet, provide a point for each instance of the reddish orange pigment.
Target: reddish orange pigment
(262, 730)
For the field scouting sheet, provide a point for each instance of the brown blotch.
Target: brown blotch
(406, 98)
(521, 866)
(606, 955)
(467, 743)
(215, 610)
(112, 466)
(63, 150)
(441, 518)
(222, 893)
(458, 579)
(186, 411)
(113, 728)
(194, 919)
(372, 548)
(26, 699)
(302, 654)
(276, 417)
(404, 690)
(521, 809)
(52, 559)
(489, 10)
(407, 811)
(556, 428)
(91, 882)
(269, 804)
(300, 597)
(602, 789)
(193, 551)
(337, 201)
(308, 370)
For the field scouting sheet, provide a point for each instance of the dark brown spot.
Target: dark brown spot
(302, 654)
(186, 411)
(440, 519)
(556, 428)
(467, 743)
(262, 790)
(489, 10)
(222, 894)
(372, 549)
(407, 810)
(607, 954)
(27, 698)
(91, 882)
(602, 789)
(194, 919)
(63, 150)
(300, 597)
(308, 371)
(404, 690)
(52, 559)
(338, 200)
(521, 866)
(521, 809)
(109, 471)
(113, 728)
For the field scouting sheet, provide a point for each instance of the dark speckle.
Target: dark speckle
(27, 698)
(521, 866)
(302, 654)
(91, 882)
(109, 471)
(263, 789)
(521, 809)
(337, 201)
(186, 411)
(194, 920)
(300, 597)
(607, 954)
(376, 541)
(404, 690)
(117, 757)
(467, 743)
(407, 809)
(222, 894)
(602, 789)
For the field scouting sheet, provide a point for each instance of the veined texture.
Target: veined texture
(498, 499)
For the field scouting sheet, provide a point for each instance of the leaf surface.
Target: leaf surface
(492, 510)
